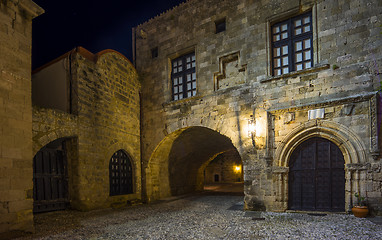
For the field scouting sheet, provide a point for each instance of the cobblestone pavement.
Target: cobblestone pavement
(199, 217)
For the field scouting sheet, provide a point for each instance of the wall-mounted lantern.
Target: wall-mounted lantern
(258, 127)
(251, 127)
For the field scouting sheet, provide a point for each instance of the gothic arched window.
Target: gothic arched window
(120, 174)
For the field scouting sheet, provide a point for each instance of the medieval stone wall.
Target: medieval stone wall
(108, 115)
(50, 124)
(235, 86)
(227, 166)
(16, 115)
(105, 119)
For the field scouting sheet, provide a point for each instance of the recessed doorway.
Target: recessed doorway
(317, 177)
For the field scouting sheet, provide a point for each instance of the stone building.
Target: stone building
(86, 114)
(293, 86)
(82, 135)
(16, 172)
(286, 91)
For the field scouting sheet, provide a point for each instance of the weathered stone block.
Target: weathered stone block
(17, 206)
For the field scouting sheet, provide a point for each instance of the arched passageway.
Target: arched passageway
(317, 176)
(178, 163)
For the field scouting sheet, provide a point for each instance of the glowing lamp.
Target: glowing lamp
(251, 127)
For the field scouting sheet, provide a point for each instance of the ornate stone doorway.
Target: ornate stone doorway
(317, 177)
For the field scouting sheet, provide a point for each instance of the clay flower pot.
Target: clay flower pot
(360, 211)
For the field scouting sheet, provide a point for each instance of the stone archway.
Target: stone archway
(345, 139)
(49, 125)
(176, 165)
(348, 142)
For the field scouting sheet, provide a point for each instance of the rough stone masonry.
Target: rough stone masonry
(250, 94)
(16, 173)
(334, 98)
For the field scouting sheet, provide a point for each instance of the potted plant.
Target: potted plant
(360, 210)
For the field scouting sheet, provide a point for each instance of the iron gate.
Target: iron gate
(317, 177)
(50, 181)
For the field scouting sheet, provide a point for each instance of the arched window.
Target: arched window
(120, 174)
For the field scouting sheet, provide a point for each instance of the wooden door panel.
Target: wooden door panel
(307, 160)
(322, 155)
(323, 193)
(307, 190)
(50, 191)
(338, 190)
(295, 190)
(317, 177)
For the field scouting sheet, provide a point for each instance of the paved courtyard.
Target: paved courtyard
(203, 216)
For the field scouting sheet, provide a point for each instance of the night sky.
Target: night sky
(93, 24)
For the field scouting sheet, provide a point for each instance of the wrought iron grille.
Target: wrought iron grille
(121, 174)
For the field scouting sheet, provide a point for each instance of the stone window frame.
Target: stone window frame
(292, 44)
(285, 16)
(183, 56)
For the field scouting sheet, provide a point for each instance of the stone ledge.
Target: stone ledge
(330, 102)
(32, 8)
(297, 73)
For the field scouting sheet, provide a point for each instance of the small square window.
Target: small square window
(220, 25)
(154, 52)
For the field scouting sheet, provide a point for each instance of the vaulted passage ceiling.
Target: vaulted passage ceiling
(190, 153)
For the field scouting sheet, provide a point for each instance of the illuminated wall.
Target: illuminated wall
(105, 118)
(265, 116)
(16, 173)
(225, 168)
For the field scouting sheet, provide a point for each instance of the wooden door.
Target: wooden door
(50, 185)
(317, 177)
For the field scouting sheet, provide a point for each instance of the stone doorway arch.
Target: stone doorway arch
(177, 164)
(353, 150)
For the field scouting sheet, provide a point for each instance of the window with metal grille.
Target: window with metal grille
(120, 174)
(183, 77)
(292, 44)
